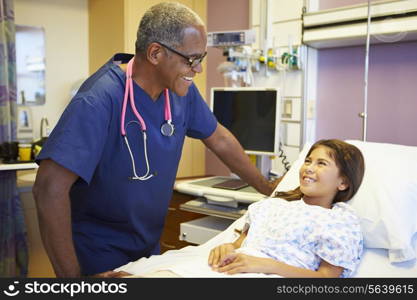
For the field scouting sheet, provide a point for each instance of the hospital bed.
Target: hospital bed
(386, 204)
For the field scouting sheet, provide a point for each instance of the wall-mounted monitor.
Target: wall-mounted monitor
(251, 114)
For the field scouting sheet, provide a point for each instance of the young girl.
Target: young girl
(307, 232)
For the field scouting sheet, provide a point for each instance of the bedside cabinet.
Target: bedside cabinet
(170, 235)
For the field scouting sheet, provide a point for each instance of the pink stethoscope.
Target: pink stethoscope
(167, 129)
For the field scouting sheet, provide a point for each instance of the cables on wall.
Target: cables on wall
(283, 157)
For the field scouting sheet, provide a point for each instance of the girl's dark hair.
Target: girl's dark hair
(350, 162)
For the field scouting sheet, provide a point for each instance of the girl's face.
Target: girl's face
(320, 179)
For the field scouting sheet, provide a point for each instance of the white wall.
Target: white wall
(283, 29)
(66, 34)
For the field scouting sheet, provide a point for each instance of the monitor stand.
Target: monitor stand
(264, 165)
(203, 187)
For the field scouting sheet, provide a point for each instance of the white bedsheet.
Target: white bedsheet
(191, 261)
(375, 263)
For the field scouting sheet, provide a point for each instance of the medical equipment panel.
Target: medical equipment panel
(231, 184)
(201, 206)
(204, 188)
(231, 38)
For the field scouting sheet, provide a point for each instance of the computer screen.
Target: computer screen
(251, 114)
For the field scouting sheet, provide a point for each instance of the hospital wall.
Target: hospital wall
(392, 89)
(66, 50)
(329, 4)
(392, 93)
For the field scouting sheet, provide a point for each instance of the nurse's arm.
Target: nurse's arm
(229, 150)
(51, 193)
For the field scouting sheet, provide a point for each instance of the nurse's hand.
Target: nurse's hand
(273, 184)
(112, 274)
(218, 253)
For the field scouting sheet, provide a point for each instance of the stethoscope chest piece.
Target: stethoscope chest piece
(167, 129)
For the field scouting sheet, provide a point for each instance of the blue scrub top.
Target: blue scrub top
(117, 220)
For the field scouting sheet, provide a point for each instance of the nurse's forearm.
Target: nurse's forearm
(228, 149)
(55, 227)
(53, 205)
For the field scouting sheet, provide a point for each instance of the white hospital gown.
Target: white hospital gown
(301, 235)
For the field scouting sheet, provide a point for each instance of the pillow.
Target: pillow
(386, 202)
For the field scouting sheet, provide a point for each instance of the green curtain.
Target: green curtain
(13, 236)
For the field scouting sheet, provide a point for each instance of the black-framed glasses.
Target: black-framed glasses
(192, 61)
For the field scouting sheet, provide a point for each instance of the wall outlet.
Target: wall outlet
(311, 109)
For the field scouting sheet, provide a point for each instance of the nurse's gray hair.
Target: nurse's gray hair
(165, 23)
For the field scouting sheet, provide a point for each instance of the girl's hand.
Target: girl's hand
(234, 263)
(218, 254)
(111, 274)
